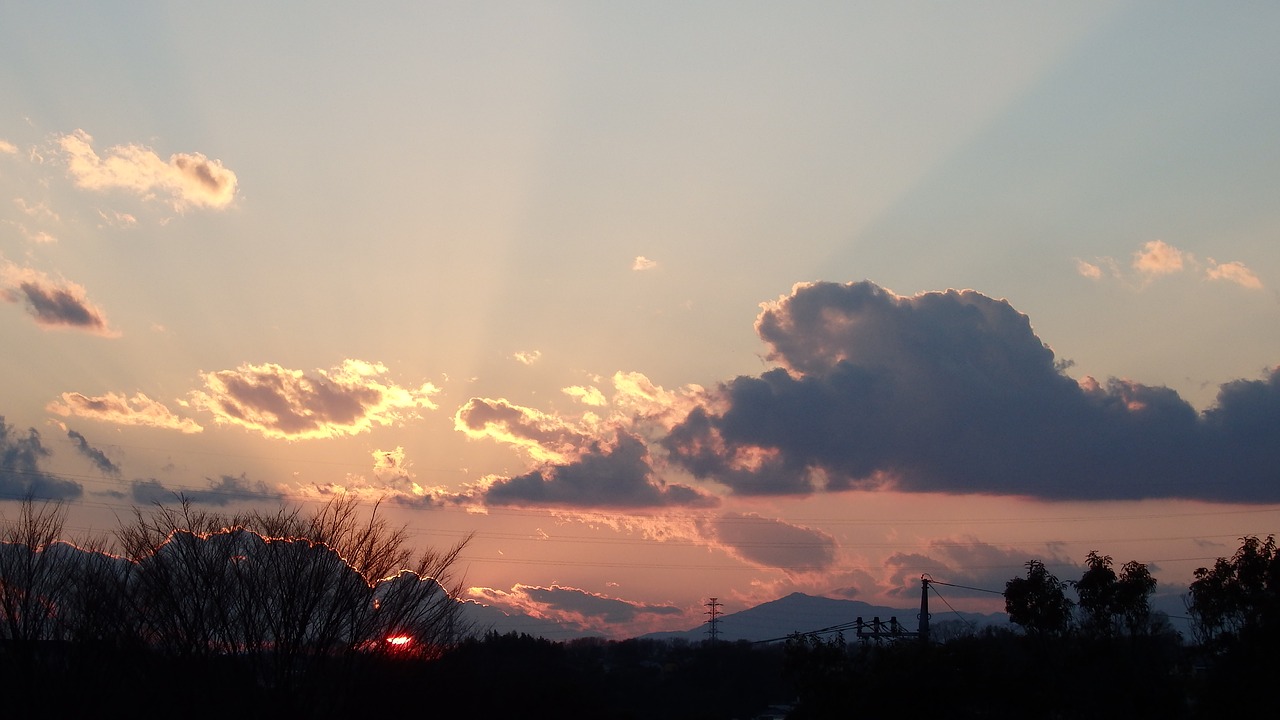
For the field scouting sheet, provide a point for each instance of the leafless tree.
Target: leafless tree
(31, 578)
(291, 595)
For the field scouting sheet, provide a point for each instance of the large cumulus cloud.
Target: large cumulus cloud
(954, 392)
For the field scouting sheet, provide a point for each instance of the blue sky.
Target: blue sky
(512, 267)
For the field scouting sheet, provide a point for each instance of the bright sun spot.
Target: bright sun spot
(399, 640)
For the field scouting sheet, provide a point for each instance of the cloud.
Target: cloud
(295, 405)
(528, 357)
(617, 475)
(642, 263)
(20, 472)
(770, 543)
(54, 304)
(391, 462)
(117, 219)
(1234, 272)
(95, 456)
(542, 436)
(8, 148)
(139, 410)
(965, 560)
(953, 392)
(391, 480)
(1158, 258)
(184, 180)
(643, 403)
(225, 490)
(586, 395)
(38, 210)
(585, 462)
(576, 608)
(1088, 269)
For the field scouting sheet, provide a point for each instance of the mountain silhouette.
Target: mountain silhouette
(801, 613)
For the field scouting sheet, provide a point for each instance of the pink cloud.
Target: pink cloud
(1158, 258)
(542, 436)
(295, 405)
(1089, 270)
(1235, 272)
(139, 410)
(185, 179)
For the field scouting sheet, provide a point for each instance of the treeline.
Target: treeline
(1103, 654)
(235, 614)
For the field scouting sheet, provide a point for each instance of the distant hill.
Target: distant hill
(779, 618)
(803, 613)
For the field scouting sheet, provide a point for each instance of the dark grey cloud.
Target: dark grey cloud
(954, 392)
(772, 543)
(94, 455)
(223, 491)
(54, 306)
(53, 303)
(20, 472)
(591, 606)
(617, 476)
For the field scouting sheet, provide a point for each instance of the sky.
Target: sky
(662, 301)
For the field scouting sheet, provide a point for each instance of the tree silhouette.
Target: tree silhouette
(1239, 597)
(1038, 602)
(1111, 604)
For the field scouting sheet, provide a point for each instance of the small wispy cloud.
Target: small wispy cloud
(117, 219)
(37, 210)
(527, 357)
(1088, 269)
(1157, 258)
(93, 454)
(642, 263)
(8, 148)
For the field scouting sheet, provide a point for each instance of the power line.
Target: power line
(966, 587)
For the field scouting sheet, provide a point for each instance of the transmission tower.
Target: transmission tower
(713, 610)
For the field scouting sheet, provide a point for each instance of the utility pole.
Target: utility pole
(923, 628)
(713, 609)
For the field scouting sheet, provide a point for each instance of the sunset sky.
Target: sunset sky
(662, 300)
